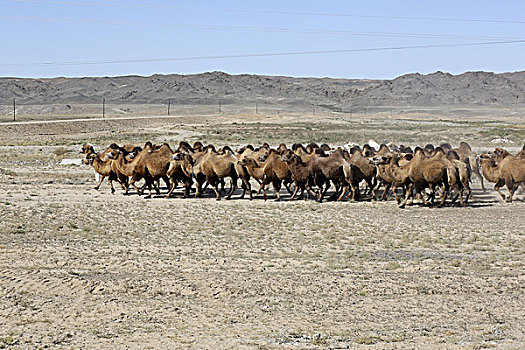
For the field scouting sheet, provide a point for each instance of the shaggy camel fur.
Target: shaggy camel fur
(150, 164)
(180, 169)
(464, 173)
(468, 157)
(392, 169)
(510, 171)
(212, 167)
(302, 174)
(318, 171)
(426, 172)
(368, 171)
(337, 169)
(276, 172)
(154, 166)
(102, 166)
(249, 152)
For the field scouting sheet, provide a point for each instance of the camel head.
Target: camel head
(87, 149)
(247, 162)
(89, 158)
(379, 160)
(325, 147)
(288, 156)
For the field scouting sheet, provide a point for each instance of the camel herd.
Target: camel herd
(353, 172)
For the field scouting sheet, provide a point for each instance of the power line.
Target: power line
(274, 12)
(257, 29)
(271, 54)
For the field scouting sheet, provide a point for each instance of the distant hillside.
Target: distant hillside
(208, 88)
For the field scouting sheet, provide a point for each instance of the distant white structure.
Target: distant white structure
(71, 162)
(504, 140)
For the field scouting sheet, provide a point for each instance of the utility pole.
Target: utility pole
(14, 109)
(104, 108)
(220, 107)
(169, 105)
(256, 108)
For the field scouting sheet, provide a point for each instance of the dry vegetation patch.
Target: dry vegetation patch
(81, 268)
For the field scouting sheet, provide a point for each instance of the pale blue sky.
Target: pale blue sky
(102, 30)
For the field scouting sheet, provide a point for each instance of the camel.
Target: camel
(102, 167)
(510, 171)
(368, 171)
(337, 169)
(302, 174)
(150, 164)
(393, 170)
(249, 152)
(212, 167)
(319, 170)
(468, 157)
(180, 169)
(426, 172)
(276, 172)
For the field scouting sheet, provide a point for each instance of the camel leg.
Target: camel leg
(111, 185)
(243, 186)
(480, 177)
(326, 188)
(287, 184)
(132, 183)
(171, 188)
(223, 183)
(343, 192)
(216, 192)
(320, 194)
(277, 188)
(233, 187)
(497, 187)
(156, 186)
(167, 181)
(149, 185)
(248, 186)
(446, 191)
(310, 192)
(394, 192)
(102, 177)
(409, 190)
(338, 189)
(261, 189)
(469, 193)
(442, 203)
(294, 192)
(388, 186)
(461, 201)
(198, 189)
(512, 187)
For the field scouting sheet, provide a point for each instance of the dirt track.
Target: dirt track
(86, 269)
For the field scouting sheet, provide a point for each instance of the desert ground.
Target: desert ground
(84, 269)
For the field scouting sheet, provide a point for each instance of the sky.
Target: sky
(364, 39)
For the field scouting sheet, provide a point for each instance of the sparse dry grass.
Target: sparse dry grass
(86, 269)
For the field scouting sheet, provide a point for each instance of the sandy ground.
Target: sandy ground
(81, 268)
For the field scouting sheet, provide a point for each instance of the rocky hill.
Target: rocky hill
(471, 88)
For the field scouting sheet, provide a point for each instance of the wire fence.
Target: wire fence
(20, 111)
